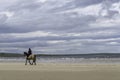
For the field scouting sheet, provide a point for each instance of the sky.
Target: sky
(60, 26)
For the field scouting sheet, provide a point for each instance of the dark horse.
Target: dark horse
(30, 57)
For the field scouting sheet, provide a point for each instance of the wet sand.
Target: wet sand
(62, 71)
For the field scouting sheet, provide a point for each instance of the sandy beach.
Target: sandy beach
(54, 71)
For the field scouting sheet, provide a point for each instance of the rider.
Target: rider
(29, 52)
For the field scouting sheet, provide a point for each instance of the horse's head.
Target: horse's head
(25, 54)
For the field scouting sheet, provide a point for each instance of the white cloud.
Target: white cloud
(54, 42)
(89, 10)
(113, 43)
(116, 6)
(43, 1)
(33, 34)
(103, 22)
(7, 13)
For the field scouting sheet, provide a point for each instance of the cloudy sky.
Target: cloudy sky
(60, 26)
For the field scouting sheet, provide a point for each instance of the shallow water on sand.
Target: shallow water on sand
(67, 60)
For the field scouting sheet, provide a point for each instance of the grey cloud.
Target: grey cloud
(87, 2)
(46, 21)
(31, 16)
(3, 18)
(25, 5)
(112, 13)
(27, 44)
(106, 5)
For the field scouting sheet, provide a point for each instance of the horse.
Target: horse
(30, 57)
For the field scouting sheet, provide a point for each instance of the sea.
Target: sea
(74, 58)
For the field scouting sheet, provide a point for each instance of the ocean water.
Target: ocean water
(81, 60)
(65, 60)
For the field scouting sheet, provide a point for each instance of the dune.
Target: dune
(59, 71)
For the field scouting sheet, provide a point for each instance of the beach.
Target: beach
(59, 71)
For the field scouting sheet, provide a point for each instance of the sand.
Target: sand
(62, 71)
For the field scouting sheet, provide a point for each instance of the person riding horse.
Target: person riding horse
(29, 52)
(30, 56)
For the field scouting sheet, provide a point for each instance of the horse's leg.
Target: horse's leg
(35, 60)
(30, 62)
(26, 62)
